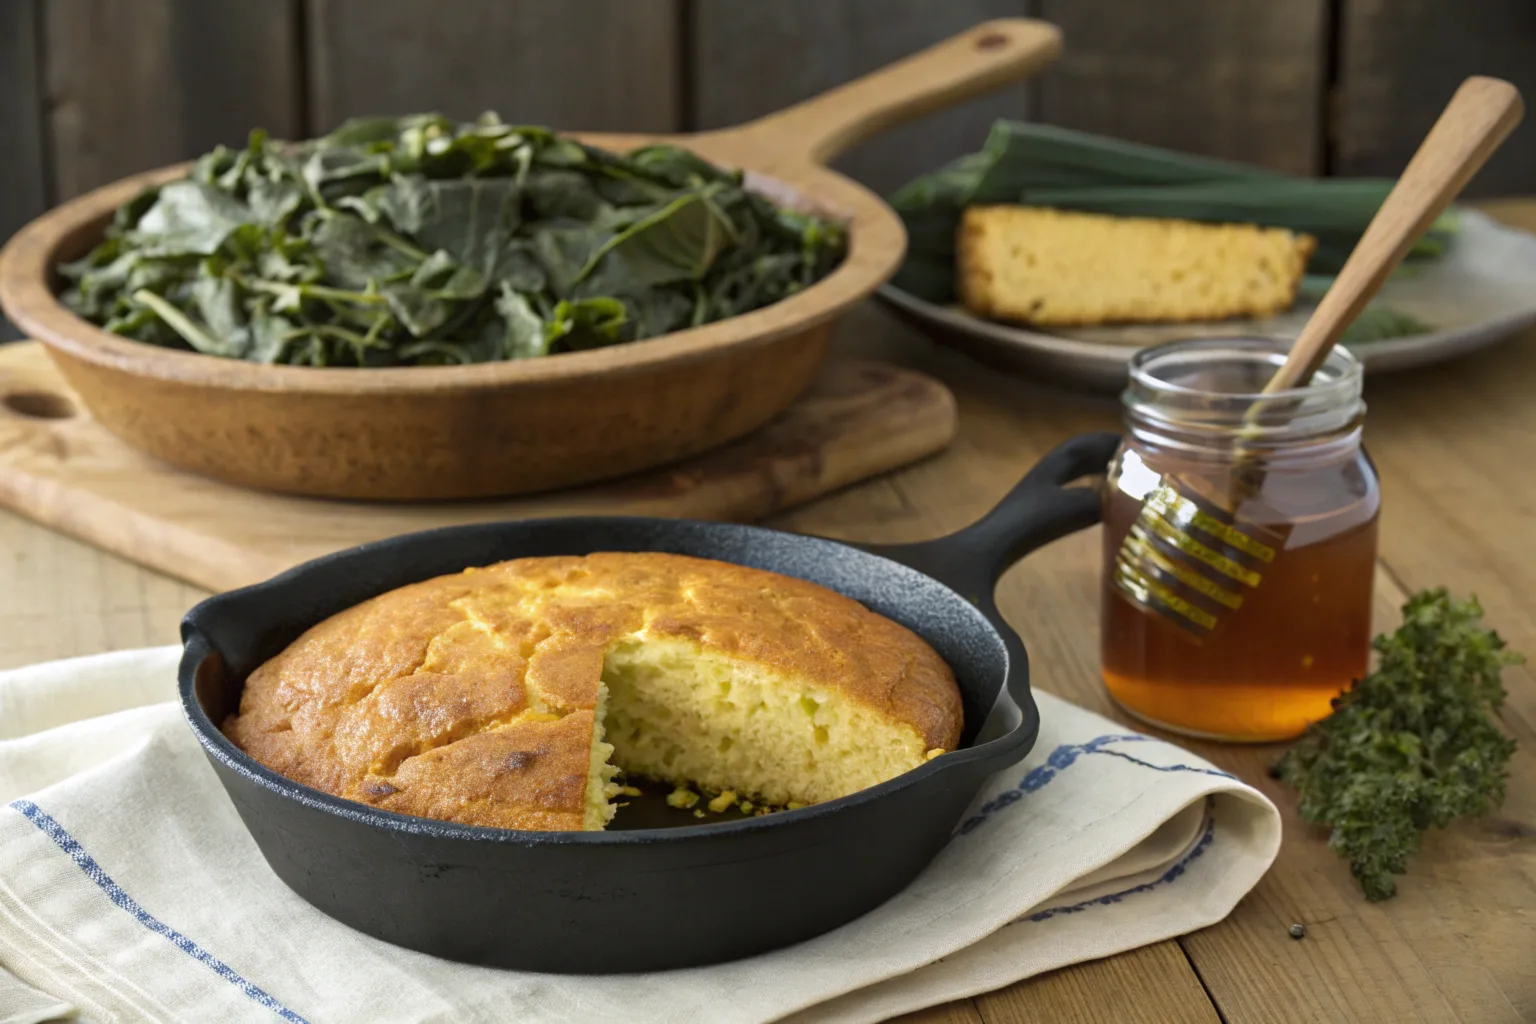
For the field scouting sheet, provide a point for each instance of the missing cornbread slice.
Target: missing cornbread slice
(512, 695)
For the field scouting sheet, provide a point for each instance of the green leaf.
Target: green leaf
(270, 335)
(218, 303)
(676, 167)
(586, 323)
(355, 253)
(658, 311)
(563, 252)
(562, 194)
(520, 268)
(525, 335)
(420, 311)
(273, 202)
(395, 241)
(472, 220)
(188, 218)
(678, 242)
(193, 333)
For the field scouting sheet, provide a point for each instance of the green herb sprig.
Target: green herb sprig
(1412, 746)
(419, 240)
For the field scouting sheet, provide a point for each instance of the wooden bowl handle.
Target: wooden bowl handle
(969, 64)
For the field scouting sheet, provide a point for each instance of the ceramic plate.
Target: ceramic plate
(1482, 291)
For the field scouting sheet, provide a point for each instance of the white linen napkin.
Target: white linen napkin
(130, 891)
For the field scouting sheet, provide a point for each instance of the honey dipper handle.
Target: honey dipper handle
(1478, 118)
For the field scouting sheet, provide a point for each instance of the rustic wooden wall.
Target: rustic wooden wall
(94, 89)
(593, 64)
(1240, 79)
(1400, 60)
(750, 59)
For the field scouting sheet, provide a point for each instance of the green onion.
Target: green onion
(1042, 165)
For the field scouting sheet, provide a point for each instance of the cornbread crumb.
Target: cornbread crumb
(698, 812)
(935, 752)
(720, 803)
(682, 797)
(1058, 268)
(746, 807)
(515, 695)
(793, 805)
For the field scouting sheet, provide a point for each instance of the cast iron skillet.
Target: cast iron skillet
(648, 898)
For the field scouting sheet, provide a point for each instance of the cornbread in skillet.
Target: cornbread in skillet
(1057, 268)
(511, 695)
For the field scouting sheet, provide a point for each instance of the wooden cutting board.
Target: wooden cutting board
(60, 468)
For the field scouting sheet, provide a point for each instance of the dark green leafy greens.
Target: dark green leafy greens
(1410, 747)
(416, 240)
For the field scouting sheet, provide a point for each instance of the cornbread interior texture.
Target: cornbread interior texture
(1056, 268)
(511, 695)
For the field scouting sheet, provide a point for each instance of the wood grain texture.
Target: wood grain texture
(1239, 79)
(601, 65)
(23, 176)
(858, 420)
(753, 58)
(1451, 443)
(134, 86)
(23, 192)
(1400, 61)
(962, 1012)
(63, 598)
(1151, 985)
(512, 426)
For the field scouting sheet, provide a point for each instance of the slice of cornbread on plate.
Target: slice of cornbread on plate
(1046, 267)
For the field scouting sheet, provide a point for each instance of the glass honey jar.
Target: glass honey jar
(1239, 542)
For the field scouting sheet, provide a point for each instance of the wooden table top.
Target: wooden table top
(1453, 445)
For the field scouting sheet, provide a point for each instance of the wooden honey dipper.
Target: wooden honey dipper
(1196, 579)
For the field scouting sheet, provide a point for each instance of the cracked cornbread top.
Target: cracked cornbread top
(475, 697)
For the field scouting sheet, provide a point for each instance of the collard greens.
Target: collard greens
(416, 240)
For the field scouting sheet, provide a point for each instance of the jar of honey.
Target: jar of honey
(1239, 542)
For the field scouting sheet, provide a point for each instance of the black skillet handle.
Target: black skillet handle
(1038, 510)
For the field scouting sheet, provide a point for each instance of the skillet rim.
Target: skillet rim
(197, 647)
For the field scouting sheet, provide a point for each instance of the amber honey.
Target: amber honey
(1243, 635)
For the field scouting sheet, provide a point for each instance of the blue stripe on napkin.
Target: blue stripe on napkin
(1062, 758)
(70, 845)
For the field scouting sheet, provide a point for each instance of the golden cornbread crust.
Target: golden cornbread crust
(471, 697)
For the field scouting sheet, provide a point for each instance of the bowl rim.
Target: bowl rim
(1004, 750)
(876, 247)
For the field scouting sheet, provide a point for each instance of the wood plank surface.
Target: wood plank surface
(1456, 944)
(962, 1012)
(751, 59)
(135, 86)
(61, 468)
(1240, 79)
(600, 65)
(1399, 61)
(1151, 985)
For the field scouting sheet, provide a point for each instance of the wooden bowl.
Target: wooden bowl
(491, 429)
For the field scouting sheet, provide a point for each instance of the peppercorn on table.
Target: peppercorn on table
(1457, 943)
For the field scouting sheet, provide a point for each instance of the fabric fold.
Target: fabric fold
(130, 890)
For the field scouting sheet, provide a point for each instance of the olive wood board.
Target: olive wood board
(62, 469)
